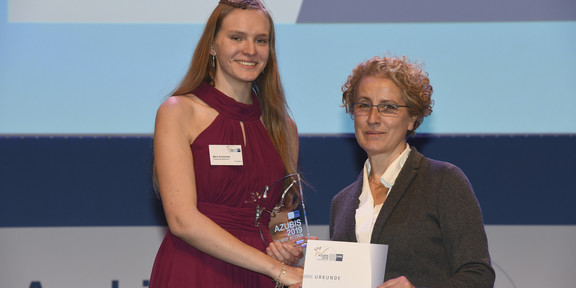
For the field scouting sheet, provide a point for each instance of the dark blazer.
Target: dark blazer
(431, 222)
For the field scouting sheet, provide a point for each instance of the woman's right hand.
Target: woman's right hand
(288, 252)
(285, 252)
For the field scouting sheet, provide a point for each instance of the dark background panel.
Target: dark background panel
(106, 180)
(518, 179)
(77, 181)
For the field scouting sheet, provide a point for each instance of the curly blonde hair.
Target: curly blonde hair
(407, 75)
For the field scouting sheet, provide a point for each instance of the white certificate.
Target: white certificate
(337, 264)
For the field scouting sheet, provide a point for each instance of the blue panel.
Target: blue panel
(106, 181)
(518, 179)
(86, 75)
(77, 181)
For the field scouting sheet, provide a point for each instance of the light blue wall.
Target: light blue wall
(107, 78)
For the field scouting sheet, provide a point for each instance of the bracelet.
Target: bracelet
(282, 272)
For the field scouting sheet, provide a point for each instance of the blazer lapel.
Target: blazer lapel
(351, 207)
(402, 184)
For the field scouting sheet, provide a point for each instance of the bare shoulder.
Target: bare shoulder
(186, 113)
(181, 106)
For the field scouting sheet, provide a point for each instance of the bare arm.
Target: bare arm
(178, 121)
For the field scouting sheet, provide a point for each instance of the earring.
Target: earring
(213, 61)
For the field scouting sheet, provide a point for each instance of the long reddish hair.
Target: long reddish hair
(268, 86)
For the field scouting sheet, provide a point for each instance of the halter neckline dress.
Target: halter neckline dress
(224, 195)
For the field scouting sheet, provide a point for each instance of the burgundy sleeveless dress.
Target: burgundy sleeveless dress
(222, 195)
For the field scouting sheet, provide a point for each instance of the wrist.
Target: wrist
(278, 278)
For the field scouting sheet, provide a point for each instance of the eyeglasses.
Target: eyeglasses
(384, 108)
(289, 198)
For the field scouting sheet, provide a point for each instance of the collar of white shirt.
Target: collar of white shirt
(367, 213)
(389, 177)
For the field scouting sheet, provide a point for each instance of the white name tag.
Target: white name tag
(225, 155)
(337, 264)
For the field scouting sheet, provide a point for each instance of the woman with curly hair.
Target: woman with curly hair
(424, 210)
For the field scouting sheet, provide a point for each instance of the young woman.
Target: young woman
(224, 134)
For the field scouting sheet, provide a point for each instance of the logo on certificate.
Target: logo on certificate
(323, 253)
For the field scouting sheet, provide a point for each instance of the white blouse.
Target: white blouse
(367, 212)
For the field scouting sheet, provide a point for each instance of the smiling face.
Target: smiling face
(377, 134)
(242, 46)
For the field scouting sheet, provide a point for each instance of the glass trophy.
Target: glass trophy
(288, 222)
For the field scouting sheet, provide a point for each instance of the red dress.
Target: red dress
(222, 194)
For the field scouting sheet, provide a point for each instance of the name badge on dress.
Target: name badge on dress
(225, 155)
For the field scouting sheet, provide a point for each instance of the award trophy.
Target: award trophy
(288, 220)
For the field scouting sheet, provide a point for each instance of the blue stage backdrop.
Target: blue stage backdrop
(106, 180)
(80, 82)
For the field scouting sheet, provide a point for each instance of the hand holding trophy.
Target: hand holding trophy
(288, 222)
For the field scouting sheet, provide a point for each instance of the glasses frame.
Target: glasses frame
(378, 107)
